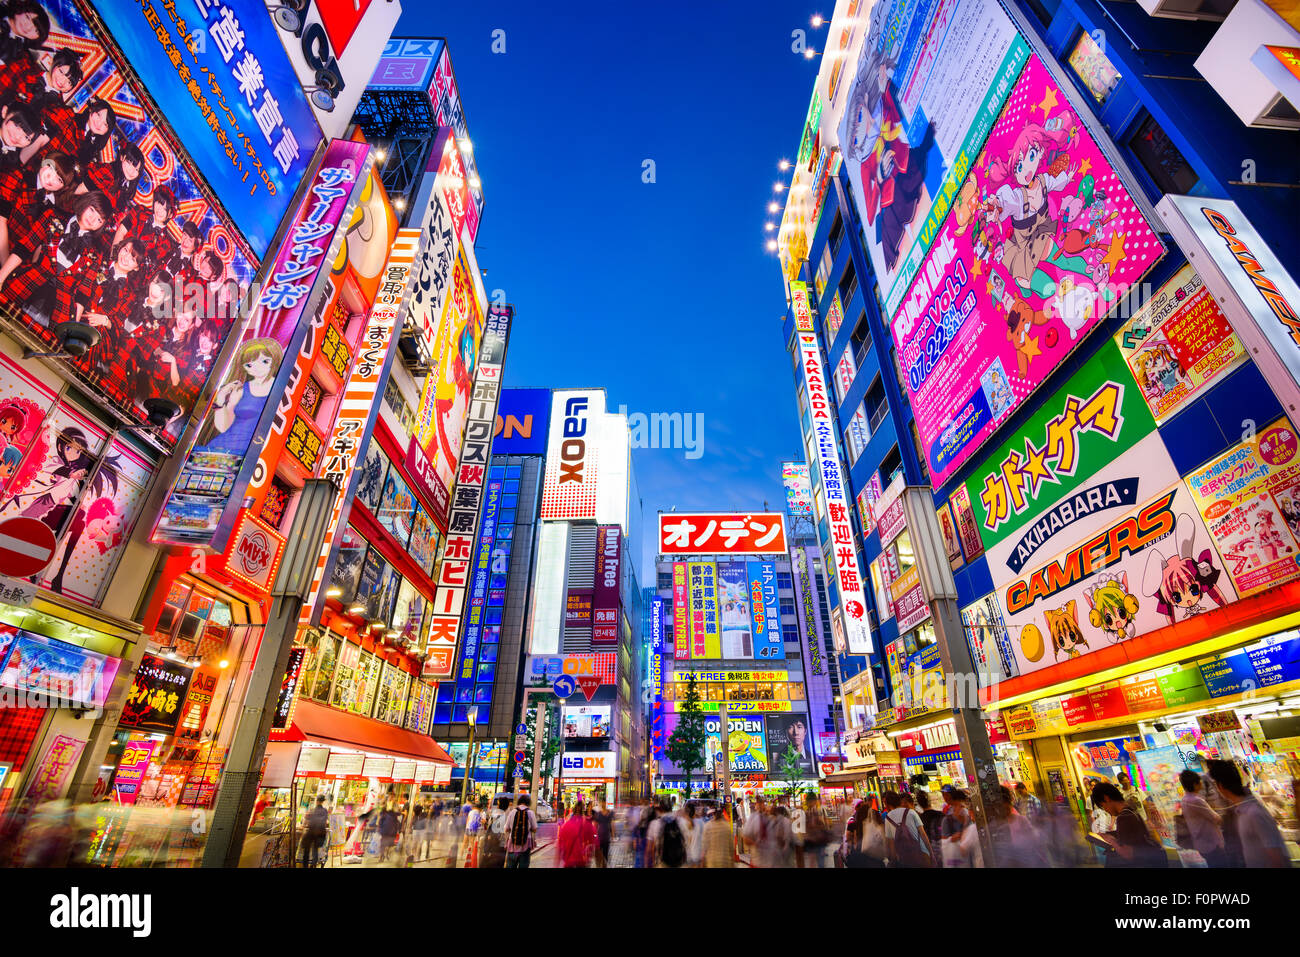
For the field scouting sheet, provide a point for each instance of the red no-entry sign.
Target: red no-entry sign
(26, 546)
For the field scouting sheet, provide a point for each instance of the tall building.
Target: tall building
(1037, 310)
(584, 613)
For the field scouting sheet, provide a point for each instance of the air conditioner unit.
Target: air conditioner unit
(1233, 62)
(1213, 10)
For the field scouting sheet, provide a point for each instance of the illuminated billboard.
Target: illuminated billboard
(721, 533)
(522, 421)
(231, 96)
(209, 489)
(569, 489)
(993, 312)
(123, 170)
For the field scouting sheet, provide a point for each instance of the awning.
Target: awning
(323, 725)
(849, 776)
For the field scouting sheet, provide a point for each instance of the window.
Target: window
(834, 319)
(876, 405)
(920, 452)
(787, 607)
(1091, 65)
(836, 235)
(823, 271)
(862, 339)
(790, 634)
(784, 581)
(665, 580)
(848, 284)
(845, 370)
(1044, 10)
(1161, 159)
(857, 434)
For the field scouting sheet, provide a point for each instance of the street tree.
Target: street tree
(789, 763)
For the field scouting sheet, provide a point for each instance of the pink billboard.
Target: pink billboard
(1042, 242)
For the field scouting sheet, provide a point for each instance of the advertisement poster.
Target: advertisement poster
(789, 731)
(61, 757)
(587, 721)
(1042, 242)
(733, 599)
(705, 641)
(967, 528)
(1150, 567)
(1250, 499)
(765, 611)
(867, 499)
(248, 126)
(605, 612)
(444, 404)
(1160, 768)
(205, 494)
(746, 742)
(1178, 344)
(1086, 455)
(124, 162)
(990, 648)
(930, 79)
(951, 541)
(577, 608)
(397, 508)
(46, 453)
(62, 671)
(798, 488)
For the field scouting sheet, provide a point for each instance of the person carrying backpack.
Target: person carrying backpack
(670, 840)
(521, 834)
(905, 838)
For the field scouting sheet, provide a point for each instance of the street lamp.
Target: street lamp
(469, 755)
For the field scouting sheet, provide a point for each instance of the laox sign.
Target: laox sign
(573, 450)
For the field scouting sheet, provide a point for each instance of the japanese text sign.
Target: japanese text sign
(722, 533)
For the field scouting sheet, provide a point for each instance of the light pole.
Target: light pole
(469, 755)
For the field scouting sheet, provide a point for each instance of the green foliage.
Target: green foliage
(685, 746)
(791, 770)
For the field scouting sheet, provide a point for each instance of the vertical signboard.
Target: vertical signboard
(765, 611)
(479, 585)
(1259, 297)
(681, 612)
(799, 303)
(463, 520)
(656, 676)
(358, 407)
(705, 642)
(605, 604)
(853, 606)
(207, 493)
(569, 489)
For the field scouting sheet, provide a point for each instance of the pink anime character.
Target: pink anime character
(1270, 537)
(1037, 165)
(103, 525)
(1182, 581)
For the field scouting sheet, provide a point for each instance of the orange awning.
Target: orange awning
(322, 725)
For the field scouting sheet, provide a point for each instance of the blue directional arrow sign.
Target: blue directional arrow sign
(521, 728)
(564, 686)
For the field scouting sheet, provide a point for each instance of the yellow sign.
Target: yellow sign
(738, 707)
(731, 676)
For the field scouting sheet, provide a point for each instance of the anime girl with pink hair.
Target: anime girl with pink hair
(1037, 165)
(1182, 581)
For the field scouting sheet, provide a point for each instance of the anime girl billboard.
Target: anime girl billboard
(1043, 242)
(926, 87)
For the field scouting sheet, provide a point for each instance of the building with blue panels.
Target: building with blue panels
(1060, 305)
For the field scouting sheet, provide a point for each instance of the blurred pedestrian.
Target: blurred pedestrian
(817, 833)
(521, 834)
(1131, 843)
(958, 835)
(864, 839)
(1204, 825)
(932, 821)
(719, 841)
(603, 820)
(576, 840)
(1250, 835)
(316, 826)
(781, 838)
(905, 840)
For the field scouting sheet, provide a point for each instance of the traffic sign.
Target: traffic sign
(564, 686)
(519, 772)
(519, 757)
(589, 684)
(520, 742)
(26, 546)
(521, 728)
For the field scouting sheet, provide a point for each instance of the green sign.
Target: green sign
(1183, 685)
(1092, 419)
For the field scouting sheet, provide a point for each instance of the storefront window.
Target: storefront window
(1093, 67)
(796, 691)
(367, 682)
(345, 677)
(780, 691)
(325, 659)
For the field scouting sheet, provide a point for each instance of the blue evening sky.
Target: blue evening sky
(662, 293)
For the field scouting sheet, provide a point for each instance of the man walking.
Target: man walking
(521, 834)
(316, 828)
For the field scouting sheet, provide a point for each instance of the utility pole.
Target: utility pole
(954, 655)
